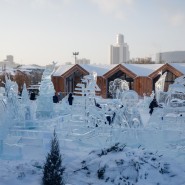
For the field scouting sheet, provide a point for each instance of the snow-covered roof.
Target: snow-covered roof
(138, 69)
(30, 67)
(142, 69)
(99, 69)
(25, 70)
(9, 70)
(62, 69)
(179, 66)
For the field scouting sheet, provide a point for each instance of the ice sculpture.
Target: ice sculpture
(26, 110)
(176, 93)
(12, 99)
(86, 104)
(2, 91)
(129, 115)
(88, 87)
(2, 105)
(44, 101)
(9, 86)
(146, 100)
(91, 86)
(25, 95)
(176, 88)
(117, 87)
(180, 80)
(159, 86)
(130, 98)
(9, 108)
(174, 104)
(120, 118)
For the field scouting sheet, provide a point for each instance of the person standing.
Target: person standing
(32, 96)
(70, 99)
(152, 105)
(55, 98)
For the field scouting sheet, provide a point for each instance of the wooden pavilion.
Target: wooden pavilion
(141, 77)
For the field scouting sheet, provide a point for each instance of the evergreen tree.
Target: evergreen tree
(53, 171)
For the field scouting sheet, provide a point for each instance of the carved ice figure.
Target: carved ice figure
(11, 92)
(135, 118)
(2, 104)
(117, 87)
(25, 106)
(80, 89)
(118, 94)
(176, 92)
(93, 115)
(176, 95)
(120, 118)
(130, 100)
(180, 80)
(88, 89)
(44, 101)
(112, 88)
(12, 105)
(25, 95)
(136, 123)
(10, 86)
(27, 113)
(91, 86)
(152, 95)
(7, 108)
(2, 91)
(176, 88)
(147, 100)
(124, 85)
(159, 85)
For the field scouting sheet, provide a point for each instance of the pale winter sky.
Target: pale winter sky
(42, 31)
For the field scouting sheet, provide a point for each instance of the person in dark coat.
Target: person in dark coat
(32, 96)
(55, 99)
(152, 105)
(70, 99)
(97, 104)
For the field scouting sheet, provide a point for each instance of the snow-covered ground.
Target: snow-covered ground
(107, 154)
(102, 141)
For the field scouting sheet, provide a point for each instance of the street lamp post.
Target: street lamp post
(75, 54)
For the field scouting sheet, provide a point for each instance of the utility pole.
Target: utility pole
(75, 54)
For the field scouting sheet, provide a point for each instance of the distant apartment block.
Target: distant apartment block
(146, 60)
(8, 62)
(9, 58)
(170, 57)
(82, 61)
(119, 53)
(68, 63)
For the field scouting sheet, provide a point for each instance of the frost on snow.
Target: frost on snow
(121, 165)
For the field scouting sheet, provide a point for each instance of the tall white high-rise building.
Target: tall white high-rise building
(119, 53)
